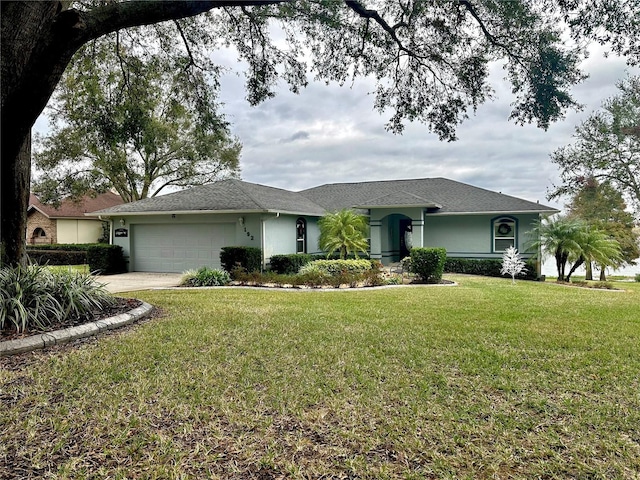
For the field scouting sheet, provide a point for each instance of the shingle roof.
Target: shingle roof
(75, 208)
(454, 197)
(397, 199)
(441, 195)
(224, 195)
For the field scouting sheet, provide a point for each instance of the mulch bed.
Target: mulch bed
(123, 305)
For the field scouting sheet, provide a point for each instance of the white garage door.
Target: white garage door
(176, 247)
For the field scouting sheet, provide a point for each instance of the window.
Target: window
(301, 235)
(504, 233)
(38, 236)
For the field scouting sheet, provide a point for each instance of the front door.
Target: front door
(406, 241)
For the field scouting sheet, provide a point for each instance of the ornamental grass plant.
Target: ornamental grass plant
(33, 297)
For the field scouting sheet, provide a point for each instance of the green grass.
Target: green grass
(483, 380)
(69, 268)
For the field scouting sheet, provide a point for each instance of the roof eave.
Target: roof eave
(496, 212)
(421, 205)
(197, 212)
(33, 207)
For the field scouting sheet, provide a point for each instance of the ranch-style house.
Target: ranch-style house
(187, 229)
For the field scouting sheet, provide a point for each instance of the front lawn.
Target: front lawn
(482, 380)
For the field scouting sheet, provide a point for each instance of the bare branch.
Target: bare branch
(492, 39)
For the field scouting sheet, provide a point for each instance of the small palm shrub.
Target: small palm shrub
(343, 231)
(205, 277)
(33, 297)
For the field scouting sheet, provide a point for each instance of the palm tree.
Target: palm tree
(596, 246)
(345, 231)
(558, 237)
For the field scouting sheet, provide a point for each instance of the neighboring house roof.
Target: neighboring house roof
(452, 197)
(69, 208)
(223, 196)
(439, 195)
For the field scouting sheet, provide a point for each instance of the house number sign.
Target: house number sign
(248, 233)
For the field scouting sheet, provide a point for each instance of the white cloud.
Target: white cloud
(330, 134)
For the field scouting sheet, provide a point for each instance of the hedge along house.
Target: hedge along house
(187, 229)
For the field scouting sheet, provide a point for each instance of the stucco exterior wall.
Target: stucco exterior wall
(313, 235)
(472, 235)
(79, 231)
(279, 234)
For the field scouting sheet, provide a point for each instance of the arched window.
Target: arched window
(504, 233)
(301, 235)
(39, 236)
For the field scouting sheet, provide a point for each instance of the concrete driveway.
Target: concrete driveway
(132, 281)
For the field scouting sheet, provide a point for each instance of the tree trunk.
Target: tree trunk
(575, 266)
(22, 25)
(603, 274)
(14, 201)
(589, 271)
(559, 266)
(39, 38)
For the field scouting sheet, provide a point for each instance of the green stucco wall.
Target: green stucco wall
(472, 235)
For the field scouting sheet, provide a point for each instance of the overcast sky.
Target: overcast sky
(330, 134)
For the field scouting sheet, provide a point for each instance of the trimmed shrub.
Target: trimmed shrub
(488, 267)
(106, 259)
(337, 267)
(58, 254)
(248, 259)
(57, 257)
(428, 263)
(289, 264)
(102, 258)
(78, 247)
(205, 277)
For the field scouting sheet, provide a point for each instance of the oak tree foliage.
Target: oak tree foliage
(429, 58)
(602, 206)
(126, 116)
(606, 148)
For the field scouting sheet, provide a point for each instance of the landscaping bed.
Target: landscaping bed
(122, 305)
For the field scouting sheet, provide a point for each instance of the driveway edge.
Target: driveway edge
(60, 337)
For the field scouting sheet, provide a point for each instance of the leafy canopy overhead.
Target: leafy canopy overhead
(430, 59)
(129, 116)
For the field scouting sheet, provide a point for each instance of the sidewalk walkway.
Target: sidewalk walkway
(132, 281)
